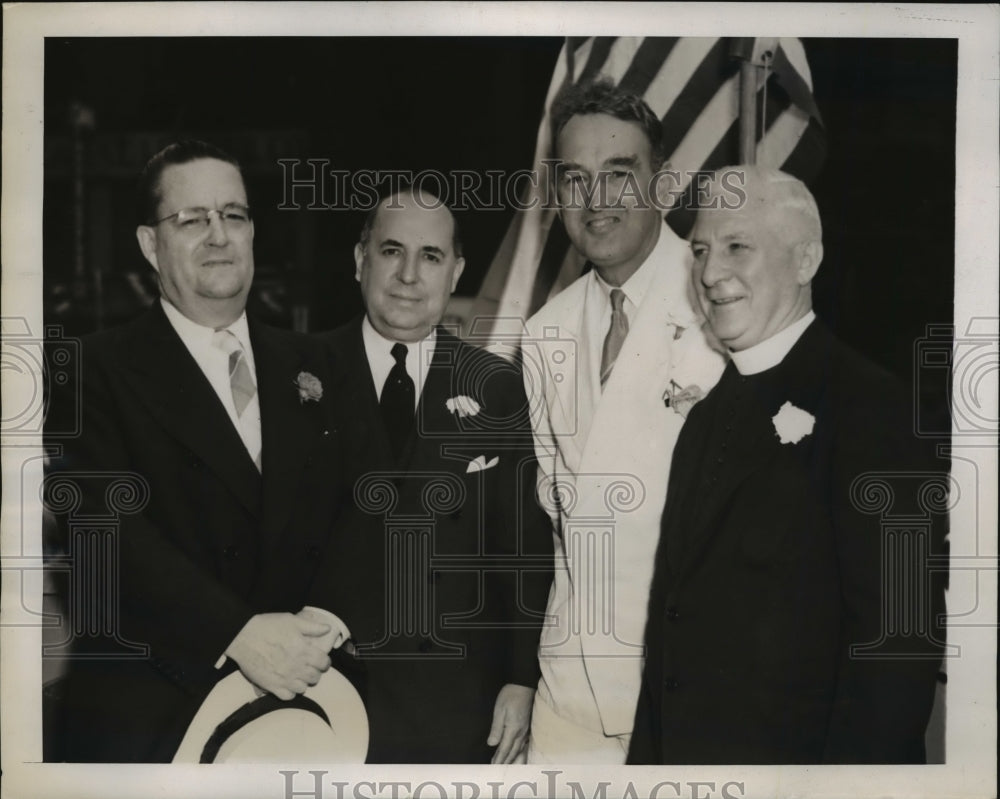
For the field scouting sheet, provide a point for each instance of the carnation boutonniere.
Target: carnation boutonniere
(309, 386)
(792, 424)
(463, 406)
(682, 400)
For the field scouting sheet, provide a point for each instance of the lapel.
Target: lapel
(357, 399)
(434, 425)
(567, 355)
(800, 379)
(289, 428)
(162, 372)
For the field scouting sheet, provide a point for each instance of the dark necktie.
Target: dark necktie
(397, 402)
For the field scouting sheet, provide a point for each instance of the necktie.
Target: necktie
(244, 390)
(397, 401)
(616, 335)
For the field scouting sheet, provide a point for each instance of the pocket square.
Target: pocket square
(480, 464)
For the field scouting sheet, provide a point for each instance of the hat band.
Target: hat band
(252, 711)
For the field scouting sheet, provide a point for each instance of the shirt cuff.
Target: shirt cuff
(339, 631)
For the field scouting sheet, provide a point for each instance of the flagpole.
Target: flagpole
(748, 111)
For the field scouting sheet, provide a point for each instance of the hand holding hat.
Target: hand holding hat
(281, 653)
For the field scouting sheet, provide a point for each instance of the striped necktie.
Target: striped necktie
(244, 391)
(616, 335)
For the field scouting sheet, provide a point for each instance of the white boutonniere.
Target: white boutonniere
(309, 386)
(792, 424)
(463, 406)
(682, 400)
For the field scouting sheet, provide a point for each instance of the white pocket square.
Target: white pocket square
(480, 464)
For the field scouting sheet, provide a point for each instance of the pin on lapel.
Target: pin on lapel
(682, 400)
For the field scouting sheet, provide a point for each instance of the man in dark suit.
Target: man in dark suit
(774, 632)
(430, 570)
(223, 422)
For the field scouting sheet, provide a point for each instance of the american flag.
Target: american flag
(692, 84)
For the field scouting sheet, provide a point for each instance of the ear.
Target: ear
(146, 237)
(666, 188)
(810, 255)
(459, 267)
(359, 260)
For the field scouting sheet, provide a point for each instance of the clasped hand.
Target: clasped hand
(282, 653)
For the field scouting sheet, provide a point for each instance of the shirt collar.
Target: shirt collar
(771, 351)
(379, 347)
(185, 327)
(192, 332)
(675, 283)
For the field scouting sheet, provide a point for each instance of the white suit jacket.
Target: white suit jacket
(604, 461)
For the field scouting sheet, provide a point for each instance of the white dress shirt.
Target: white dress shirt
(214, 364)
(378, 348)
(597, 310)
(771, 351)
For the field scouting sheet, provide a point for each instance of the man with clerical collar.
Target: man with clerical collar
(213, 418)
(424, 575)
(787, 622)
(599, 359)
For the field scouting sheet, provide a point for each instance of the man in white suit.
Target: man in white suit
(612, 364)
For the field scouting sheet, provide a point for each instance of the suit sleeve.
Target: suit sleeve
(185, 616)
(532, 545)
(890, 600)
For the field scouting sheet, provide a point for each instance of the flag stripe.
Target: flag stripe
(677, 68)
(647, 64)
(696, 94)
(599, 50)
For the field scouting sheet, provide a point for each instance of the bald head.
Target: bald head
(757, 246)
(407, 264)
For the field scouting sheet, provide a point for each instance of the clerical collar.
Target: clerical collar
(771, 351)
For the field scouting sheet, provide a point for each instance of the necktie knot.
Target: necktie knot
(226, 340)
(399, 353)
(617, 301)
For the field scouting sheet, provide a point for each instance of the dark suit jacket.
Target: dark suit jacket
(217, 541)
(431, 566)
(770, 567)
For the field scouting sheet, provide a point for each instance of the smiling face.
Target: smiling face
(408, 268)
(753, 266)
(603, 182)
(205, 272)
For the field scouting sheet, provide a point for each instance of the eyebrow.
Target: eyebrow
(622, 160)
(426, 248)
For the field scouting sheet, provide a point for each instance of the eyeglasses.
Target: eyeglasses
(233, 216)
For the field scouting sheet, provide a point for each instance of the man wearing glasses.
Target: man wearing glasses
(224, 423)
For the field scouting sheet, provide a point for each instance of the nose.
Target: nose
(408, 269)
(218, 234)
(711, 268)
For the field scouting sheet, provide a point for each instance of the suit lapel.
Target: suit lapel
(433, 420)
(357, 400)
(168, 379)
(289, 427)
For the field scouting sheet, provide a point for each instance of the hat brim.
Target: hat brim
(291, 734)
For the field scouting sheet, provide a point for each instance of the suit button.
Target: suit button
(670, 684)
(312, 551)
(672, 613)
(425, 645)
(231, 553)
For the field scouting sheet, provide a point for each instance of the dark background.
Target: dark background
(886, 191)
